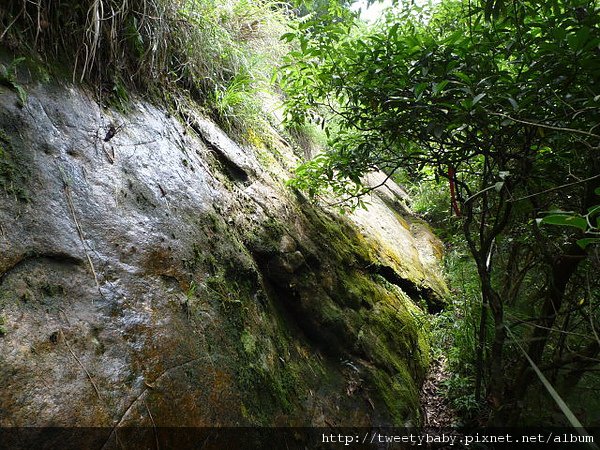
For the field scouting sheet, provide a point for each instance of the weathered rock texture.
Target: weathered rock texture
(156, 273)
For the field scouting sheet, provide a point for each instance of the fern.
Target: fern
(8, 77)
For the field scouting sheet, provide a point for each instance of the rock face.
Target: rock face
(156, 273)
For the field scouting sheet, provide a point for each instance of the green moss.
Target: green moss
(12, 174)
(409, 267)
(389, 327)
(2, 325)
(265, 237)
(400, 395)
(260, 136)
(370, 319)
(399, 217)
(391, 331)
(345, 243)
(265, 158)
(356, 289)
(248, 342)
(253, 346)
(271, 372)
(400, 331)
(119, 96)
(269, 392)
(52, 290)
(272, 385)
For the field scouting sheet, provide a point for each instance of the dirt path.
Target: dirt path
(438, 413)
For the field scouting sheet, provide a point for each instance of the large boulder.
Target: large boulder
(155, 273)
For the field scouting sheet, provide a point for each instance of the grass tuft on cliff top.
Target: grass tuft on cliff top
(221, 52)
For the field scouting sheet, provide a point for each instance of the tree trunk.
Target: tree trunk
(562, 269)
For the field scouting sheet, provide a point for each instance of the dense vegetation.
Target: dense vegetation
(502, 102)
(487, 112)
(219, 53)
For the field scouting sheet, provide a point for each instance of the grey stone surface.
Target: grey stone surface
(156, 274)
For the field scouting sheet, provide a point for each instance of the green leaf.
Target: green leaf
(583, 243)
(565, 220)
(463, 77)
(17, 61)
(419, 88)
(489, 7)
(288, 37)
(21, 93)
(578, 39)
(439, 87)
(477, 98)
(303, 45)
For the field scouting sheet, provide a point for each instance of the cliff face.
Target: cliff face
(155, 273)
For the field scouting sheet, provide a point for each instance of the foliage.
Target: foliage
(459, 389)
(428, 197)
(454, 329)
(589, 222)
(453, 93)
(220, 51)
(8, 77)
(503, 104)
(308, 137)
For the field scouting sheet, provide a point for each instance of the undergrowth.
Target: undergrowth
(453, 330)
(221, 52)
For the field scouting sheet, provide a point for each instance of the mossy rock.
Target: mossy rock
(13, 173)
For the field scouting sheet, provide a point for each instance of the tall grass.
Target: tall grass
(220, 51)
(454, 329)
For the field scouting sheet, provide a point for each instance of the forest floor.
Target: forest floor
(439, 418)
(437, 411)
